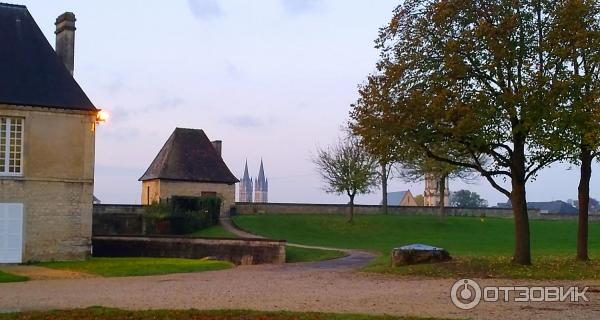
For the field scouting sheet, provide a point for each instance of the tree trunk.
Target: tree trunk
(351, 204)
(518, 198)
(585, 156)
(442, 203)
(384, 182)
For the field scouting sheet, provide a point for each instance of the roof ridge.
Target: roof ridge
(4, 4)
(168, 150)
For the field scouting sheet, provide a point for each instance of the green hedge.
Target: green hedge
(183, 215)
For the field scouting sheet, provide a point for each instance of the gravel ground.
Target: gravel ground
(288, 287)
(328, 286)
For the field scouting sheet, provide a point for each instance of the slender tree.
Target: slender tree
(574, 43)
(375, 99)
(347, 168)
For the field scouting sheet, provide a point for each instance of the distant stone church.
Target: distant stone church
(254, 191)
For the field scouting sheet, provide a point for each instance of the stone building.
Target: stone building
(189, 164)
(47, 136)
(431, 195)
(261, 186)
(401, 198)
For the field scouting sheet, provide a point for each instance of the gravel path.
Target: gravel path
(354, 259)
(269, 287)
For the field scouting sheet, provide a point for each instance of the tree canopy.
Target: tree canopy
(467, 199)
(469, 80)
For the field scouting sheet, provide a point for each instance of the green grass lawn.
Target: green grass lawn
(296, 254)
(8, 277)
(123, 267)
(481, 247)
(213, 232)
(292, 254)
(115, 314)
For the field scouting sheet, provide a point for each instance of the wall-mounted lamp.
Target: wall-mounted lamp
(102, 116)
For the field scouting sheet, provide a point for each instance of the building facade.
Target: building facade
(189, 164)
(431, 195)
(47, 144)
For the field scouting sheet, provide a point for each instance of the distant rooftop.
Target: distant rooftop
(394, 198)
(552, 207)
(188, 155)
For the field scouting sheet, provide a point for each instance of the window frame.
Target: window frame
(6, 160)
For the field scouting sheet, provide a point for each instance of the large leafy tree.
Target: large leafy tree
(574, 43)
(472, 78)
(347, 168)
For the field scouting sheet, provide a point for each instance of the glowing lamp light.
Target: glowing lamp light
(102, 116)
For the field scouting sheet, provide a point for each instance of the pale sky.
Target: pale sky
(271, 78)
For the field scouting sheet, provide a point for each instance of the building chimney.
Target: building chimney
(218, 144)
(65, 39)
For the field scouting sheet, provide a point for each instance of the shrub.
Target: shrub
(182, 215)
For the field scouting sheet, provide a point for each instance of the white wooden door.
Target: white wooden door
(11, 232)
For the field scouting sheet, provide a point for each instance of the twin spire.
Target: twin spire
(254, 191)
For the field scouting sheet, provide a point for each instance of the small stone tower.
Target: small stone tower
(261, 186)
(431, 195)
(246, 186)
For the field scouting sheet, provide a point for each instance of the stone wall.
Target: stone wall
(153, 190)
(238, 251)
(57, 218)
(56, 186)
(116, 219)
(304, 208)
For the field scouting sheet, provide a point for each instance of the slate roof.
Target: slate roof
(31, 73)
(188, 155)
(553, 207)
(394, 198)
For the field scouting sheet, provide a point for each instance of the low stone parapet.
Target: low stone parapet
(245, 208)
(238, 251)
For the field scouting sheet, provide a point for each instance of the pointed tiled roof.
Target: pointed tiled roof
(188, 155)
(31, 73)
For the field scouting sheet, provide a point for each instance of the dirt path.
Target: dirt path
(268, 287)
(42, 273)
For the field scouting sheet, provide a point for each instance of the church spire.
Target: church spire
(246, 175)
(261, 185)
(261, 172)
(246, 186)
